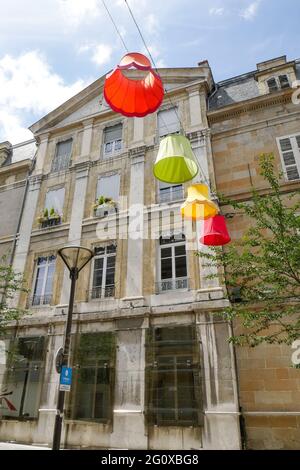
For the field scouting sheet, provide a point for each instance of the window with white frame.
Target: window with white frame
(109, 186)
(104, 272)
(61, 160)
(55, 200)
(172, 263)
(20, 398)
(278, 83)
(112, 140)
(43, 283)
(289, 149)
(168, 122)
(170, 192)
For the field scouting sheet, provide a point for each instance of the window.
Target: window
(173, 265)
(289, 149)
(62, 157)
(112, 140)
(109, 186)
(43, 284)
(284, 81)
(93, 377)
(173, 384)
(170, 192)
(20, 396)
(278, 83)
(104, 272)
(168, 122)
(55, 200)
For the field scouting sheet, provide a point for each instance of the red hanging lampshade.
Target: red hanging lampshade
(215, 231)
(133, 97)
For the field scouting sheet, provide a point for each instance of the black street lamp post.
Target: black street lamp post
(75, 258)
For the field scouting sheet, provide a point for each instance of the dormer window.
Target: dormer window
(278, 83)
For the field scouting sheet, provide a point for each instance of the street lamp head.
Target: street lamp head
(75, 257)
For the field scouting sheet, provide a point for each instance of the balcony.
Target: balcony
(39, 300)
(51, 222)
(102, 292)
(172, 284)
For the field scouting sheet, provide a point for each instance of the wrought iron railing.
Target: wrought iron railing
(36, 300)
(174, 195)
(52, 222)
(102, 292)
(172, 284)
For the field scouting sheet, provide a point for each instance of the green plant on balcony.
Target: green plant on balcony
(102, 200)
(50, 217)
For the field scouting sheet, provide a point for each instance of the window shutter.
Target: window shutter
(168, 122)
(109, 186)
(55, 199)
(288, 158)
(62, 157)
(284, 81)
(113, 133)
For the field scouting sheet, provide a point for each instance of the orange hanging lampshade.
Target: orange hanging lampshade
(215, 231)
(131, 97)
(198, 205)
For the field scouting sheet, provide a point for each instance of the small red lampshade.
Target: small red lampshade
(215, 231)
(131, 97)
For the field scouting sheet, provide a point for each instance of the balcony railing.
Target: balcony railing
(51, 222)
(172, 284)
(36, 300)
(102, 292)
(171, 196)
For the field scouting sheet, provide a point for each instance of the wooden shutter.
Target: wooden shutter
(288, 154)
(168, 122)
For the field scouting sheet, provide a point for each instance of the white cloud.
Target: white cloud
(76, 11)
(151, 24)
(216, 11)
(29, 86)
(101, 53)
(250, 12)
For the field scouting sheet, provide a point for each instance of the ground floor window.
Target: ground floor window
(21, 389)
(94, 358)
(173, 388)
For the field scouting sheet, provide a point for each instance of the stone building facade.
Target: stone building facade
(152, 365)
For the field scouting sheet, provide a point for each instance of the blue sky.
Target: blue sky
(51, 49)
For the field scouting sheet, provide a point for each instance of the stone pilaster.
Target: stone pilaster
(41, 153)
(134, 278)
(75, 229)
(23, 242)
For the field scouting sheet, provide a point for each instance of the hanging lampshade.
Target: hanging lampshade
(215, 231)
(198, 205)
(131, 97)
(175, 162)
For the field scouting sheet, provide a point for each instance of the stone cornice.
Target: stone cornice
(14, 167)
(254, 104)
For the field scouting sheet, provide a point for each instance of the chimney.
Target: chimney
(5, 152)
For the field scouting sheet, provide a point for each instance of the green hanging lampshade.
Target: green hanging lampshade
(175, 162)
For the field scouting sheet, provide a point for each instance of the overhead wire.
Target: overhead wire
(156, 69)
(154, 64)
(113, 22)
